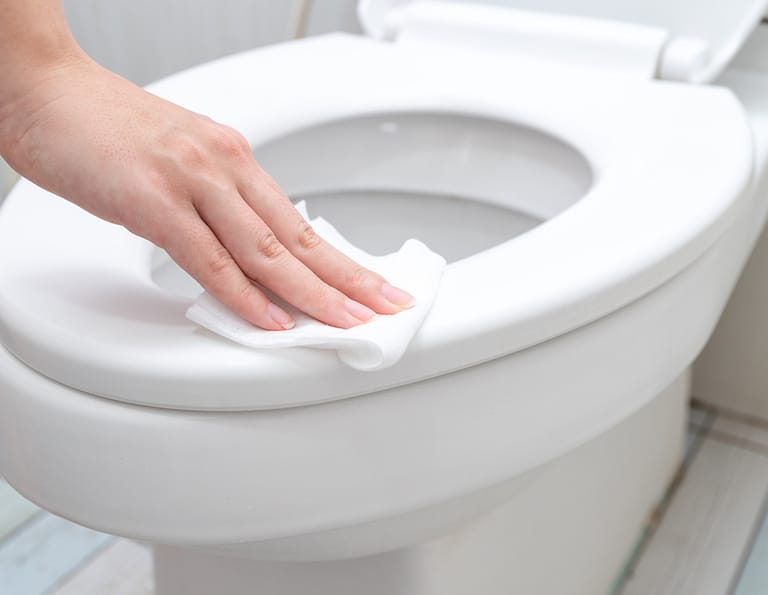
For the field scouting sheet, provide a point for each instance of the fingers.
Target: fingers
(330, 265)
(260, 256)
(196, 249)
(242, 228)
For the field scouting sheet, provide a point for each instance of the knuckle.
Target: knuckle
(270, 247)
(248, 294)
(308, 238)
(359, 277)
(242, 143)
(230, 142)
(218, 262)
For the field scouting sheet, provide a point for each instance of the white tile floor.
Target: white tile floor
(709, 536)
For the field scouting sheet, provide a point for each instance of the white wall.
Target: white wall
(332, 15)
(144, 40)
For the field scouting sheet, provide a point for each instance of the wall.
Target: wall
(332, 15)
(144, 40)
(732, 371)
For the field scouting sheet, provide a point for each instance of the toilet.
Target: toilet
(596, 189)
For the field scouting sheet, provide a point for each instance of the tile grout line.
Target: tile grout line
(634, 557)
(709, 414)
(757, 448)
(725, 436)
(701, 433)
(81, 565)
(709, 432)
(729, 540)
(22, 527)
(744, 418)
(744, 443)
(738, 571)
(696, 428)
(656, 517)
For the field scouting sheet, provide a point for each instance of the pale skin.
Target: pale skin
(177, 178)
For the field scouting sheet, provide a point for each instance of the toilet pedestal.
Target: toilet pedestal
(538, 543)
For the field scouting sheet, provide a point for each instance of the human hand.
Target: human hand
(189, 185)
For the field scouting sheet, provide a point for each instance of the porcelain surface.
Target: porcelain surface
(670, 164)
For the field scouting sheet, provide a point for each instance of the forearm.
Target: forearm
(35, 41)
(33, 34)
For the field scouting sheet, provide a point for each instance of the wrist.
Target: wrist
(35, 44)
(31, 63)
(34, 80)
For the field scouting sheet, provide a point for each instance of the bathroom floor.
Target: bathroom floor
(709, 536)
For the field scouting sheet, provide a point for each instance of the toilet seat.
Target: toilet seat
(77, 303)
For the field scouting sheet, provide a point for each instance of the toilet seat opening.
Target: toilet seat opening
(460, 183)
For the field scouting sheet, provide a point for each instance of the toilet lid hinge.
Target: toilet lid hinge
(546, 38)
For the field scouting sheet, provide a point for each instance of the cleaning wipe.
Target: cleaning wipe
(371, 346)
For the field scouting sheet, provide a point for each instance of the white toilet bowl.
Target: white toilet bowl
(596, 221)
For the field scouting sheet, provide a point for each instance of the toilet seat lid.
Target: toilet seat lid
(718, 28)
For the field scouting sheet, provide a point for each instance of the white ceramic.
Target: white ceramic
(110, 330)
(621, 209)
(731, 372)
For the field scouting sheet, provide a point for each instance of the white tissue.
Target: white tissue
(371, 346)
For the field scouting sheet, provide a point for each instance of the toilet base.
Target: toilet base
(569, 529)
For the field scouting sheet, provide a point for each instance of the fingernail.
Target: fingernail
(359, 311)
(397, 296)
(280, 316)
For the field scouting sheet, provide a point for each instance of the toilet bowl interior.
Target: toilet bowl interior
(460, 183)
